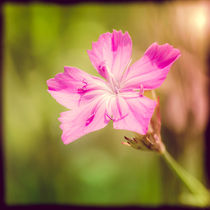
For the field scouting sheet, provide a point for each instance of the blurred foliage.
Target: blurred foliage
(39, 39)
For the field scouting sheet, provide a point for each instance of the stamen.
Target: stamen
(83, 89)
(141, 90)
(85, 82)
(107, 74)
(90, 119)
(116, 120)
(126, 69)
(102, 68)
(109, 117)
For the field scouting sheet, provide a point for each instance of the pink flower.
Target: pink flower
(119, 96)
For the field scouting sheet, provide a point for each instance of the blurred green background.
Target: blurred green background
(39, 40)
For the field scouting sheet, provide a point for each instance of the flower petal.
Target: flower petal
(74, 86)
(116, 108)
(111, 54)
(151, 70)
(139, 112)
(81, 121)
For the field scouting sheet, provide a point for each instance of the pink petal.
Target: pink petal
(116, 108)
(111, 54)
(151, 70)
(83, 120)
(139, 112)
(74, 86)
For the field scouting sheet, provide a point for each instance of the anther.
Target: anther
(83, 89)
(102, 68)
(141, 90)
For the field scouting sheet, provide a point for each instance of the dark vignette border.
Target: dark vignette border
(61, 207)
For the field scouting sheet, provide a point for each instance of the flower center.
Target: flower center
(115, 86)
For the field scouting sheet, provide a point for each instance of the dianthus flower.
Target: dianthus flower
(119, 96)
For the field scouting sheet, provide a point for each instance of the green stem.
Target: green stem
(201, 194)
